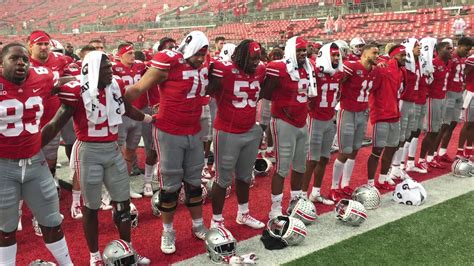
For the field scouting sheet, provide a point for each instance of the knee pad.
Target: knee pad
(168, 197)
(192, 192)
(121, 212)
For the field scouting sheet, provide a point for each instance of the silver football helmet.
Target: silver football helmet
(205, 193)
(305, 211)
(133, 215)
(369, 196)
(343, 47)
(462, 168)
(291, 230)
(155, 202)
(119, 252)
(39, 262)
(262, 167)
(209, 183)
(351, 212)
(356, 44)
(220, 244)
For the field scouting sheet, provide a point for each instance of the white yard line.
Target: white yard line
(327, 231)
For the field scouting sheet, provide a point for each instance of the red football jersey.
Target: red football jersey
(70, 94)
(456, 75)
(322, 106)
(21, 109)
(352, 57)
(61, 65)
(237, 98)
(130, 76)
(181, 95)
(470, 75)
(438, 87)
(412, 84)
(355, 90)
(290, 99)
(384, 101)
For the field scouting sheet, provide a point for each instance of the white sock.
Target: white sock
(413, 147)
(270, 149)
(8, 255)
(397, 157)
(337, 170)
(347, 172)
(243, 208)
(442, 151)
(316, 191)
(148, 174)
(60, 252)
(276, 201)
(371, 182)
(76, 197)
(217, 217)
(406, 147)
(382, 178)
(95, 256)
(294, 194)
(168, 227)
(410, 163)
(429, 158)
(198, 222)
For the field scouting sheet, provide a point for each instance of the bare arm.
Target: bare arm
(52, 129)
(133, 112)
(152, 77)
(269, 85)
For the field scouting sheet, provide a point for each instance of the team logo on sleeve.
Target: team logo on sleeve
(181, 60)
(360, 73)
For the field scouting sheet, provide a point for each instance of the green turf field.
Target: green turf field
(440, 235)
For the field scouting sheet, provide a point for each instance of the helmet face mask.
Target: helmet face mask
(350, 212)
(289, 229)
(262, 167)
(155, 202)
(220, 244)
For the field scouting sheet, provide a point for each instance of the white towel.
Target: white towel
(115, 107)
(323, 61)
(409, 45)
(427, 55)
(192, 43)
(227, 52)
(292, 66)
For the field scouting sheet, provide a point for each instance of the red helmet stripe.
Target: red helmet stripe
(299, 231)
(311, 218)
(124, 244)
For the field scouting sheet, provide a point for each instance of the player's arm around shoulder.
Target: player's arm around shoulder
(69, 95)
(273, 72)
(216, 75)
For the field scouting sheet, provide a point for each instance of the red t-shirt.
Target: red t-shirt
(470, 75)
(290, 99)
(355, 90)
(383, 101)
(130, 76)
(181, 95)
(322, 106)
(21, 109)
(237, 98)
(61, 65)
(412, 84)
(70, 94)
(438, 87)
(456, 75)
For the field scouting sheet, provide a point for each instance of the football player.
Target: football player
(182, 76)
(385, 116)
(96, 105)
(467, 133)
(236, 86)
(356, 85)
(356, 45)
(130, 72)
(454, 97)
(322, 126)
(61, 65)
(286, 85)
(436, 97)
(25, 174)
